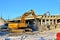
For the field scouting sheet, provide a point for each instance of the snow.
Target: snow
(46, 35)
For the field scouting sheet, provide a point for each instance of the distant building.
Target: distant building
(54, 19)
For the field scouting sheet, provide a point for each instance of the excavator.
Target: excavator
(21, 26)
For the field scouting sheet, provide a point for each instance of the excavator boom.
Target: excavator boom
(22, 22)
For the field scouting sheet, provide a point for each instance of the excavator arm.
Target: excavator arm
(22, 22)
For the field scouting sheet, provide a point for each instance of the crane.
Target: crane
(47, 13)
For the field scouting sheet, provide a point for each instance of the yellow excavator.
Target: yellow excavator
(21, 26)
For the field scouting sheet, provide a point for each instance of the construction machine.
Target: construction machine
(21, 26)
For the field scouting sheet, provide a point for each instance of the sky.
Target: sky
(15, 8)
